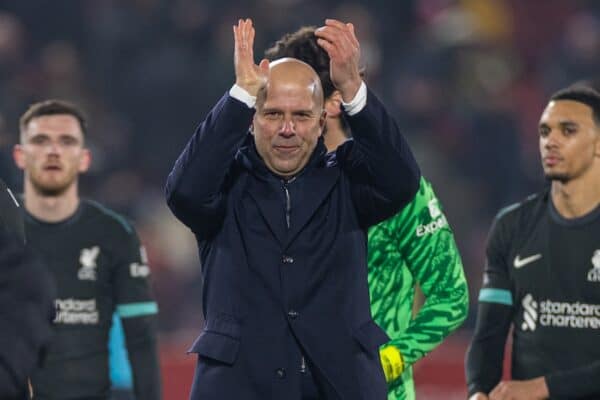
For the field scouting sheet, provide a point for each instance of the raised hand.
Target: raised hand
(339, 41)
(248, 75)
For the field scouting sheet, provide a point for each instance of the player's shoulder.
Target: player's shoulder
(109, 219)
(425, 193)
(523, 211)
(424, 208)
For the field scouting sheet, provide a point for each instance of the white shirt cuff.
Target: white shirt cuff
(358, 102)
(241, 94)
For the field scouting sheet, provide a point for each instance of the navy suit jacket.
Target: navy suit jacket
(273, 293)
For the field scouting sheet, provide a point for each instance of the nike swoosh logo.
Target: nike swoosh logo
(521, 262)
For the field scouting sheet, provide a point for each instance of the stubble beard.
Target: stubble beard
(53, 189)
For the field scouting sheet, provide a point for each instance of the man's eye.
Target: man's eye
(38, 140)
(69, 141)
(272, 115)
(303, 117)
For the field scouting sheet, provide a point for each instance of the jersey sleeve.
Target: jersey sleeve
(132, 289)
(137, 310)
(118, 359)
(426, 244)
(497, 287)
(484, 359)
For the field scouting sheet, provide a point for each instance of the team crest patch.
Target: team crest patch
(594, 273)
(434, 209)
(87, 258)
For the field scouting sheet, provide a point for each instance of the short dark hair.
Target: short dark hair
(303, 45)
(581, 93)
(52, 107)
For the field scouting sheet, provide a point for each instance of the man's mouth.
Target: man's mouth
(286, 149)
(552, 160)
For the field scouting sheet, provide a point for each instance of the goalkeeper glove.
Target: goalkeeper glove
(392, 363)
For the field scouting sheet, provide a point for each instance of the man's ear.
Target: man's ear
(323, 120)
(333, 104)
(19, 156)
(85, 160)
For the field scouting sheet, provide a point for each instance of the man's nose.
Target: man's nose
(552, 140)
(287, 128)
(53, 148)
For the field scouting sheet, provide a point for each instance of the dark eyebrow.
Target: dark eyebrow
(568, 124)
(62, 136)
(270, 109)
(39, 135)
(563, 124)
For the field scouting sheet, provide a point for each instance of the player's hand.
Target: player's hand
(248, 75)
(340, 43)
(479, 396)
(391, 362)
(532, 389)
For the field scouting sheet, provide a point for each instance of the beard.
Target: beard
(562, 177)
(48, 187)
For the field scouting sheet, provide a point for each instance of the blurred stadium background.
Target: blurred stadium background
(466, 80)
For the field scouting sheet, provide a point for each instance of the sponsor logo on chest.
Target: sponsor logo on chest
(558, 314)
(87, 259)
(76, 312)
(439, 220)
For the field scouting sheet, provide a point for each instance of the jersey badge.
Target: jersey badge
(594, 273)
(434, 209)
(87, 258)
(521, 262)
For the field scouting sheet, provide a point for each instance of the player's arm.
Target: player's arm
(484, 359)
(118, 360)
(138, 313)
(426, 244)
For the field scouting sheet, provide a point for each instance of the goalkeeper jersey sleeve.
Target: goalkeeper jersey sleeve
(414, 247)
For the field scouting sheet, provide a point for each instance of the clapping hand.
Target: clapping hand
(248, 76)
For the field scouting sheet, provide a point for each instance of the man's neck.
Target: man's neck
(51, 208)
(577, 197)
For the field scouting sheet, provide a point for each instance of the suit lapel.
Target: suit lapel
(270, 205)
